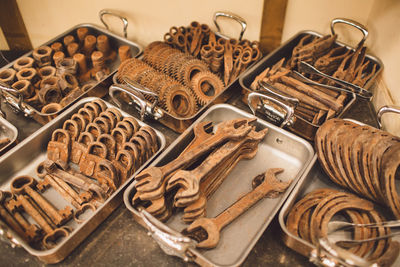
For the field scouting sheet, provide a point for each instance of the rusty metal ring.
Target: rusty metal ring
(23, 63)
(83, 209)
(40, 170)
(206, 86)
(24, 87)
(47, 71)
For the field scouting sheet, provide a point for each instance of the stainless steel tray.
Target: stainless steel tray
(7, 130)
(23, 159)
(279, 149)
(178, 124)
(299, 125)
(115, 42)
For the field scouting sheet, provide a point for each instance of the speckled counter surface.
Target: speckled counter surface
(120, 241)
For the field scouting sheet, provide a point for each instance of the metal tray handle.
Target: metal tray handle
(108, 12)
(288, 116)
(386, 109)
(240, 20)
(353, 23)
(138, 99)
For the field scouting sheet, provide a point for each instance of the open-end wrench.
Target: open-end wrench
(213, 226)
(152, 177)
(190, 180)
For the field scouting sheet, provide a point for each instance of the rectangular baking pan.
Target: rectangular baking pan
(300, 127)
(115, 42)
(23, 159)
(278, 149)
(7, 130)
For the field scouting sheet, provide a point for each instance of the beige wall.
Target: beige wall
(3, 41)
(148, 20)
(382, 19)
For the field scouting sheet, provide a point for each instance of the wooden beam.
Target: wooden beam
(13, 26)
(272, 24)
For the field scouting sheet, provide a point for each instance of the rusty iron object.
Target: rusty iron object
(355, 156)
(213, 226)
(310, 216)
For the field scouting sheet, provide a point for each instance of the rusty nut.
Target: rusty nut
(67, 82)
(7, 76)
(42, 55)
(29, 74)
(24, 87)
(47, 71)
(50, 91)
(67, 65)
(23, 63)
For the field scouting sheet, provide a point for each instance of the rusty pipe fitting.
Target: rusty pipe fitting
(57, 46)
(29, 74)
(81, 61)
(47, 71)
(89, 45)
(58, 56)
(68, 39)
(50, 91)
(103, 44)
(82, 33)
(124, 52)
(42, 55)
(7, 76)
(67, 82)
(23, 62)
(24, 87)
(72, 49)
(68, 65)
(98, 60)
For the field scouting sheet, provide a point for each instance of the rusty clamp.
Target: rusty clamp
(237, 18)
(108, 12)
(276, 110)
(136, 91)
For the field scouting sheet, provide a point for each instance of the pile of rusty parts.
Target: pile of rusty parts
(58, 74)
(226, 57)
(94, 153)
(309, 220)
(362, 159)
(317, 103)
(188, 77)
(185, 183)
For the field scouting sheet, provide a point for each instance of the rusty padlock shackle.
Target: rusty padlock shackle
(103, 149)
(60, 132)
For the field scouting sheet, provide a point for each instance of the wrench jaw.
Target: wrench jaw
(149, 179)
(208, 226)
